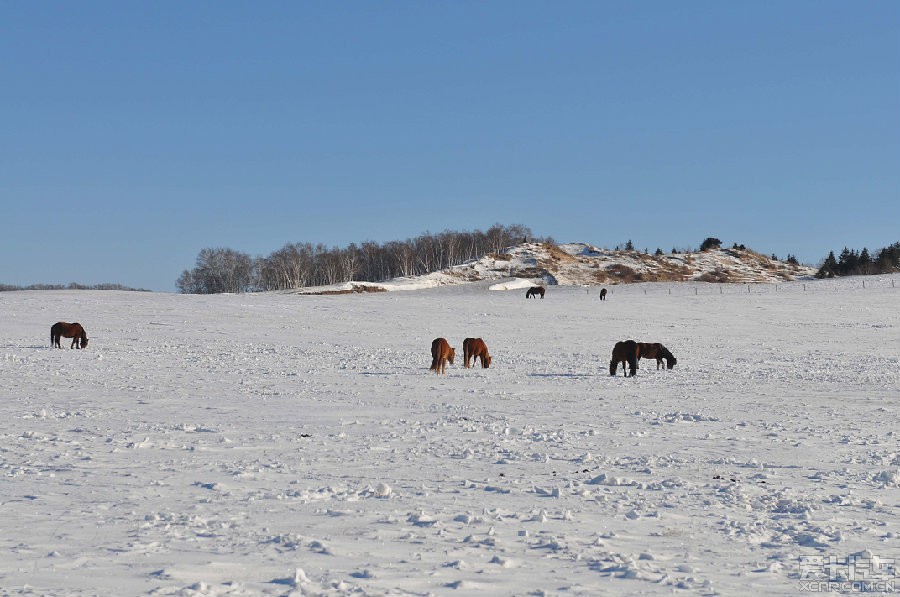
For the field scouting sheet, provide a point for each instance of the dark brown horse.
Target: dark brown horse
(656, 351)
(62, 329)
(441, 352)
(534, 291)
(474, 349)
(603, 294)
(625, 352)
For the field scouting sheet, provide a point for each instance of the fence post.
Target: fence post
(695, 291)
(804, 288)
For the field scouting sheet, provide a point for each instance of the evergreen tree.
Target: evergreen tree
(829, 267)
(888, 259)
(864, 264)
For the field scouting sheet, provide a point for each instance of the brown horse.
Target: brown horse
(603, 294)
(534, 291)
(625, 352)
(473, 349)
(62, 329)
(656, 351)
(441, 352)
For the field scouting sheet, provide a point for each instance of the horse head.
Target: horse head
(670, 358)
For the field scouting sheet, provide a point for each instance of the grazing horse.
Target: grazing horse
(473, 349)
(62, 329)
(625, 352)
(603, 294)
(441, 352)
(534, 291)
(656, 351)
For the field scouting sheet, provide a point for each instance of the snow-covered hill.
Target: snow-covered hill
(581, 264)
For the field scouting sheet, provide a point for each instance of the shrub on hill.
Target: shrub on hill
(710, 243)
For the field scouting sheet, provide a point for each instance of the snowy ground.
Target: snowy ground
(273, 444)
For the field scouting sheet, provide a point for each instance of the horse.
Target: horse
(473, 349)
(656, 351)
(534, 291)
(441, 352)
(625, 352)
(68, 330)
(603, 294)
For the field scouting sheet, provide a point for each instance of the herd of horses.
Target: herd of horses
(474, 349)
(630, 352)
(627, 352)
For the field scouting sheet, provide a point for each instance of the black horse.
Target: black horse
(624, 352)
(534, 291)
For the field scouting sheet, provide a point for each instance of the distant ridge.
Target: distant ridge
(70, 286)
(581, 264)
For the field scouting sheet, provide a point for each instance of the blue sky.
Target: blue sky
(134, 134)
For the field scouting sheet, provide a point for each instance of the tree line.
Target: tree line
(297, 265)
(855, 263)
(70, 286)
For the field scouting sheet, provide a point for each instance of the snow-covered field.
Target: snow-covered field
(273, 444)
